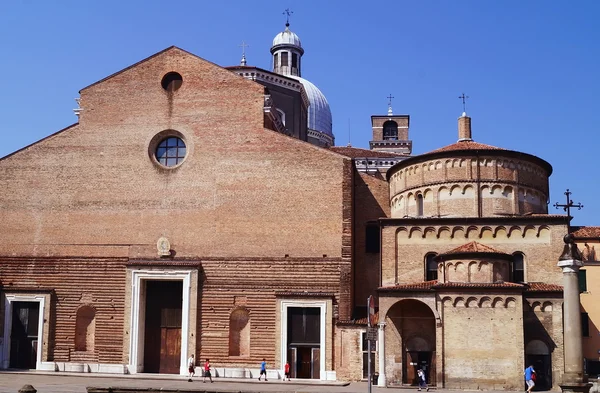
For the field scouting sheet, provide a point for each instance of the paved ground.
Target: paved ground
(44, 382)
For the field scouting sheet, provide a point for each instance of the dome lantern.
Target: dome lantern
(287, 52)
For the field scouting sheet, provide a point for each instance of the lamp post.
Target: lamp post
(574, 379)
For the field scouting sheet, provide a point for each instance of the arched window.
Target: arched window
(431, 267)
(239, 333)
(419, 205)
(85, 326)
(518, 267)
(390, 130)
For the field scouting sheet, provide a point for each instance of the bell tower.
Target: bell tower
(390, 132)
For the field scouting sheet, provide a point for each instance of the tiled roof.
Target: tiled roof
(495, 285)
(417, 286)
(355, 152)
(465, 145)
(543, 287)
(587, 232)
(361, 321)
(472, 247)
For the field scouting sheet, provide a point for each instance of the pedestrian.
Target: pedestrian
(207, 371)
(263, 369)
(422, 381)
(529, 378)
(287, 371)
(191, 367)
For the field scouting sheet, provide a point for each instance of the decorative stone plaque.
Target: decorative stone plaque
(164, 247)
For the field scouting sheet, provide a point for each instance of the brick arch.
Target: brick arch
(239, 332)
(85, 328)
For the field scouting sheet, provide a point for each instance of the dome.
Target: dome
(287, 37)
(319, 113)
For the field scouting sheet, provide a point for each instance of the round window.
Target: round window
(170, 151)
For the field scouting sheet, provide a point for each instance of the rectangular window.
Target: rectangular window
(284, 59)
(518, 271)
(585, 324)
(582, 281)
(432, 268)
(365, 357)
(372, 239)
(276, 61)
(294, 60)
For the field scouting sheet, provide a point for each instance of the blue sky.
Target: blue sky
(531, 69)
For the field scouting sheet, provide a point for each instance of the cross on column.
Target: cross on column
(464, 101)
(390, 99)
(567, 207)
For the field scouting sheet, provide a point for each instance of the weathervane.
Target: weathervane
(390, 104)
(288, 13)
(464, 100)
(567, 207)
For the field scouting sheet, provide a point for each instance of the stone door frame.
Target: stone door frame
(320, 304)
(5, 347)
(136, 342)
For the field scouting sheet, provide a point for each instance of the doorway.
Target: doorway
(538, 355)
(24, 335)
(418, 360)
(304, 342)
(162, 326)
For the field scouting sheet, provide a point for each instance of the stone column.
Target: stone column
(570, 261)
(381, 339)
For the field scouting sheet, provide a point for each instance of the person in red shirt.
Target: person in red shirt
(287, 371)
(207, 371)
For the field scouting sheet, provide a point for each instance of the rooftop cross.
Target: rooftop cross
(288, 13)
(464, 100)
(243, 45)
(390, 99)
(567, 207)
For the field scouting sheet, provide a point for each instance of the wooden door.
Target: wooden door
(292, 358)
(162, 346)
(170, 350)
(304, 362)
(24, 335)
(316, 363)
(412, 361)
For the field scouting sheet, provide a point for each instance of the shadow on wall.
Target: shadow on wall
(591, 339)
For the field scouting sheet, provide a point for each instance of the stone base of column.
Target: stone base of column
(575, 387)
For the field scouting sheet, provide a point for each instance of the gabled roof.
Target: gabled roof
(172, 47)
(587, 233)
(473, 249)
(355, 152)
(465, 145)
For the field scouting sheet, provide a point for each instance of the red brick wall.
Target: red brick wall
(244, 198)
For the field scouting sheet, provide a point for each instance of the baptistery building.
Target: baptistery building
(468, 276)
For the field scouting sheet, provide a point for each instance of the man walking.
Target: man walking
(263, 370)
(529, 378)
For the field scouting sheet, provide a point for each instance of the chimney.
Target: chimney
(464, 128)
